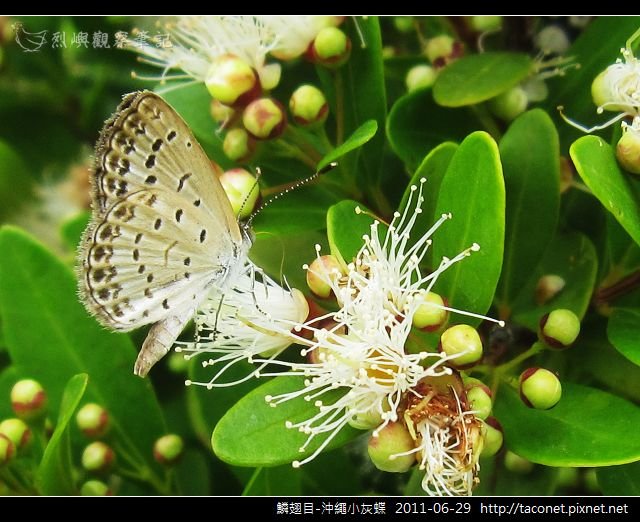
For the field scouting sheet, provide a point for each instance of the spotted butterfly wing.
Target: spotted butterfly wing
(162, 230)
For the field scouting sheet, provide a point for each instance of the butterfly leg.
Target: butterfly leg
(214, 334)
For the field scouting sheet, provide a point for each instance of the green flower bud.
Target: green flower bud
(17, 431)
(308, 105)
(270, 76)
(391, 440)
(242, 190)
(479, 397)
(28, 399)
(628, 151)
(168, 449)
(97, 457)
(464, 340)
(517, 464)
(264, 119)
(509, 104)
(493, 437)
(601, 94)
(331, 47)
(220, 112)
(93, 420)
(540, 388)
(553, 39)
(430, 316)
(94, 488)
(177, 363)
(486, 23)
(536, 89)
(7, 450)
(364, 421)
(420, 77)
(404, 24)
(321, 268)
(548, 287)
(559, 329)
(232, 81)
(442, 50)
(238, 145)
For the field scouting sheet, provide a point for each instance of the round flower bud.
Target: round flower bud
(242, 190)
(270, 76)
(601, 93)
(28, 399)
(404, 24)
(559, 329)
(548, 287)
(177, 363)
(493, 437)
(553, 39)
(17, 431)
(442, 50)
(628, 151)
(486, 23)
(238, 145)
(331, 47)
(321, 269)
(420, 77)
(264, 119)
(93, 420)
(384, 448)
(97, 457)
(479, 397)
(464, 342)
(7, 450)
(540, 388)
(517, 464)
(308, 105)
(94, 488)
(509, 104)
(536, 89)
(220, 112)
(430, 315)
(168, 449)
(232, 81)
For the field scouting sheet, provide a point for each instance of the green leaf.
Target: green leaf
(253, 433)
(495, 479)
(15, 182)
(622, 254)
(473, 192)
(588, 427)
(479, 77)
(360, 136)
(624, 333)
(345, 228)
(192, 473)
(596, 163)
(572, 257)
(55, 473)
(416, 124)
(72, 229)
(530, 159)
(620, 480)
(50, 337)
(8, 377)
(281, 480)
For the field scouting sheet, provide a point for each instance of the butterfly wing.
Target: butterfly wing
(162, 229)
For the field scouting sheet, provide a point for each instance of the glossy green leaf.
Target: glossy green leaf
(360, 136)
(280, 480)
(15, 182)
(572, 257)
(479, 77)
(252, 433)
(530, 159)
(596, 163)
(50, 337)
(345, 228)
(473, 192)
(620, 480)
(624, 333)
(55, 473)
(416, 124)
(72, 229)
(192, 473)
(588, 427)
(433, 169)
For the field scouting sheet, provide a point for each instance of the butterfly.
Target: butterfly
(162, 230)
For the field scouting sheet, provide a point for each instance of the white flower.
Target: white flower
(363, 351)
(253, 318)
(197, 41)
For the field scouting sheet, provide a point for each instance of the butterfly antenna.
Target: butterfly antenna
(255, 184)
(291, 188)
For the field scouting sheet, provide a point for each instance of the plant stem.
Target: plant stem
(487, 121)
(618, 289)
(339, 88)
